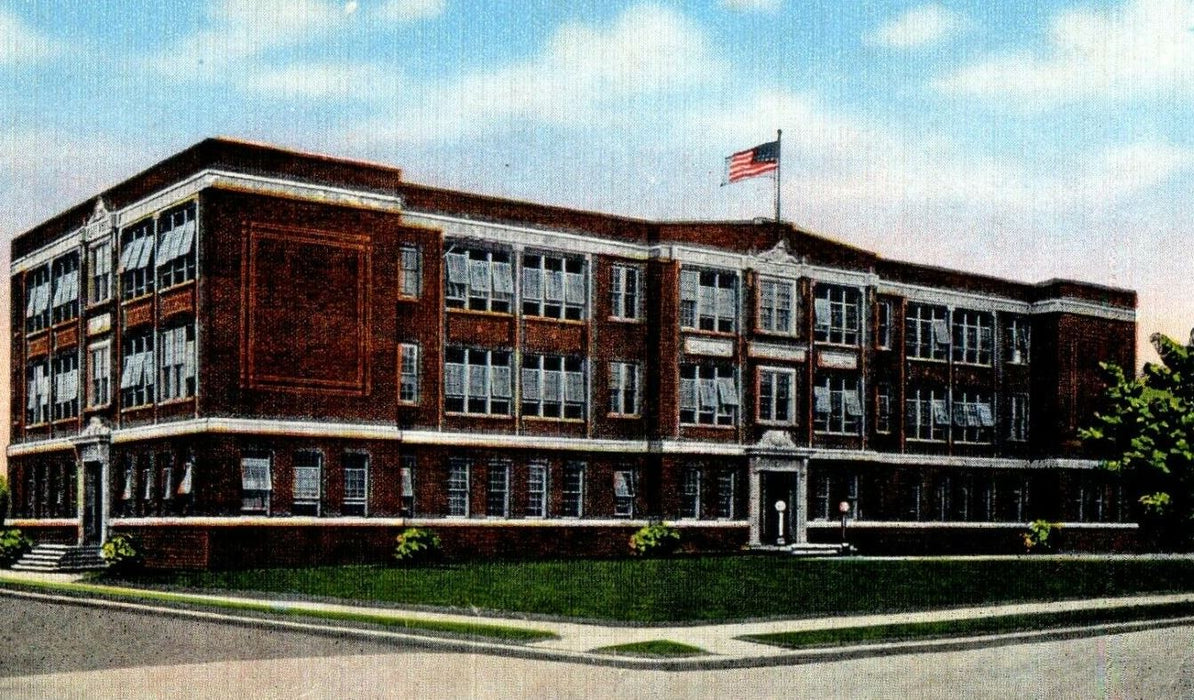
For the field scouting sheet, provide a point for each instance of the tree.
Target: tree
(1146, 433)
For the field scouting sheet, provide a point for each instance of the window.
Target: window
(412, 271)
(408, 385)
(835, 314)
(883, 329)
(166, 462)
(406, 474)
(356, 483)
(497, 496)
(308, 482)
(136, 253)
(176, 246)
(177, 379)
(727, 488)
(1019, 340)
(65, 303)
(883, 408)
(537, 490)
(553, 287)
(477, 381)
(573, 504)
(624, 288)
(775, 305)
(625, 484)
(458, 491)
(973, 415)
(255, 483)
(66, 385)
(1017, 419)
(37, 389)
(708, 395)
(690, 493)
(836, 406)
(480, 280)
(553, 387)
(137, 373)
(708, 300)
(146, 479)
(37, 299)
(99, 364)
(926, 415)
(99, 266)
(775, 395)
(926, 332)
(624, 382)
(972, 337)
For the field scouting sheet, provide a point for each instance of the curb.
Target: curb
(446, 643)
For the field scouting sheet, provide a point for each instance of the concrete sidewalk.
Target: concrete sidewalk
(578, 641)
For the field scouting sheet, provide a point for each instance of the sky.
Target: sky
(1022, 139)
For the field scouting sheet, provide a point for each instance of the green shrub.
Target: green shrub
(13, 546)
(416, 545)
(1037, 539)
(4, 497)
(655, 540)
(123, 553)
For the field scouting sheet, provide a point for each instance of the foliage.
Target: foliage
(123, 553)
(655, 540)
(1146, 433)
(417, 545)
(4, 497)
(1037, 537)
(13, 546)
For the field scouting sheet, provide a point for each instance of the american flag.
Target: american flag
(760, 160)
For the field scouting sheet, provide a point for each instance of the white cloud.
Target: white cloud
(1144, 47)
(752, 5)
(411, 10)
(324, 80)
(20, 43)
(917, 27)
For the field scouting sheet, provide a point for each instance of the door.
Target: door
(93, 505)
(778, 486)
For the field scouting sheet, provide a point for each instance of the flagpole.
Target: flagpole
(779, 134)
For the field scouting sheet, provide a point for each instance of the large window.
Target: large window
(177, 362)
(37, 390)
(66, 288)
(973, 417)
(835, 314)
(709, 300)
(37, 299)
(1019, 340)
(136, 255)
(308, 482)
(1017, 419)
(497, 496)
(99, 267)
(412, 271)
(406, 475)
(926, 332)
(776, 396)
(573, 503)
(708, 395)
(356, 483)
(137, 370)
(625, 487)
(256, 483)
(458, 488)
(926, 415)
(408, 385)
(99, 365)
(625, 285)
(625, 382)
(775, 305)
(972, 337)
(553, 387)
(553, 286)
(176, 246)
(727, 489)
(690, 493)
(836, 405)
(477, 381)
(537, 490)
(480, 280)
(66, 385)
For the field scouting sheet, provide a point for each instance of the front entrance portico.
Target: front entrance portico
(778, 472)
(92, 447)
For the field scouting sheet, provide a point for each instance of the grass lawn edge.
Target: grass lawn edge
(652, 649)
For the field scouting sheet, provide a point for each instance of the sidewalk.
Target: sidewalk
(578, 641)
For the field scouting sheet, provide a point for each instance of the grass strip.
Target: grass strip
(652, 648)
(468, 629)
(943, 629)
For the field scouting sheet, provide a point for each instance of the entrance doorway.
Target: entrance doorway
(780, 486)
(93, 503)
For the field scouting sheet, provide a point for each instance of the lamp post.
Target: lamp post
(844, 509)
(780, 507)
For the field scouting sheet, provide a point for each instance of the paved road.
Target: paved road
(83, 652)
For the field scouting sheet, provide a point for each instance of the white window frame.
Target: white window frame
(256, 469)
(572, 501)
(411, 281)
(625, 388)
(973, 418)
(99, 272)
(482, 386)
(926, 332)
(478, 279)
(767, 385)
(406, 482)
(37, 390)
(501, 486)
(710, 396)
(545, 375)
(625, 292)
(408, 367)
(356, 497)
(1019, 340)
(174, 258)
(773, 314)
(37, 299)
(926, 415)
(99, 370)
(64, 280)
(138, 375)
(884, 329)
(1018, 417)
(727, 494)
(64, 368)
(308, 468)
(537, 489)
(548, 292)
(625, 485)
(709, 300)
(883, 406)
(459, 480)
(136, 260)
(973, 338)
(837, 312)
(837, 406)
(690, 493)
(176, 379)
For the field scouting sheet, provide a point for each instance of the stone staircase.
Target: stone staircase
(61, 557)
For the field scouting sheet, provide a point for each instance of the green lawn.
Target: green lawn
(711, 588)
(657, 648)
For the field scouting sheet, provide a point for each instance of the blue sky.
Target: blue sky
(1028, 140)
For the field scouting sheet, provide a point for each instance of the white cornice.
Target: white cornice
(525, 237)
(1082, 307)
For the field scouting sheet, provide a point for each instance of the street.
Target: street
(53, 650)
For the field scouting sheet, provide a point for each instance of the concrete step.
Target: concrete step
(61, 557)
